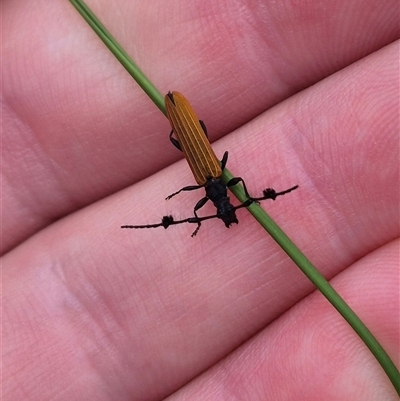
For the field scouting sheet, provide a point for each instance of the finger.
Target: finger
(310, 352)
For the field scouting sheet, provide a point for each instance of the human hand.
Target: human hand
(91, 311)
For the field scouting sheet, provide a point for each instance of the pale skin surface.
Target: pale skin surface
(93, 312)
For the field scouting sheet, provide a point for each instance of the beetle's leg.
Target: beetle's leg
(189, 188)
(236, 180)
(204, 127)
(174, 141)
(198, 206)
(224, 160)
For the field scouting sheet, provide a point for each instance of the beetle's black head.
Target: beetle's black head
(226, 212)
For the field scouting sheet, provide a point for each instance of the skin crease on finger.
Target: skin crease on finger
(98, 312)
(77, 128)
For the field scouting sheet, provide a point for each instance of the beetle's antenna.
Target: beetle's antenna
(167, 221)
(270, 193)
